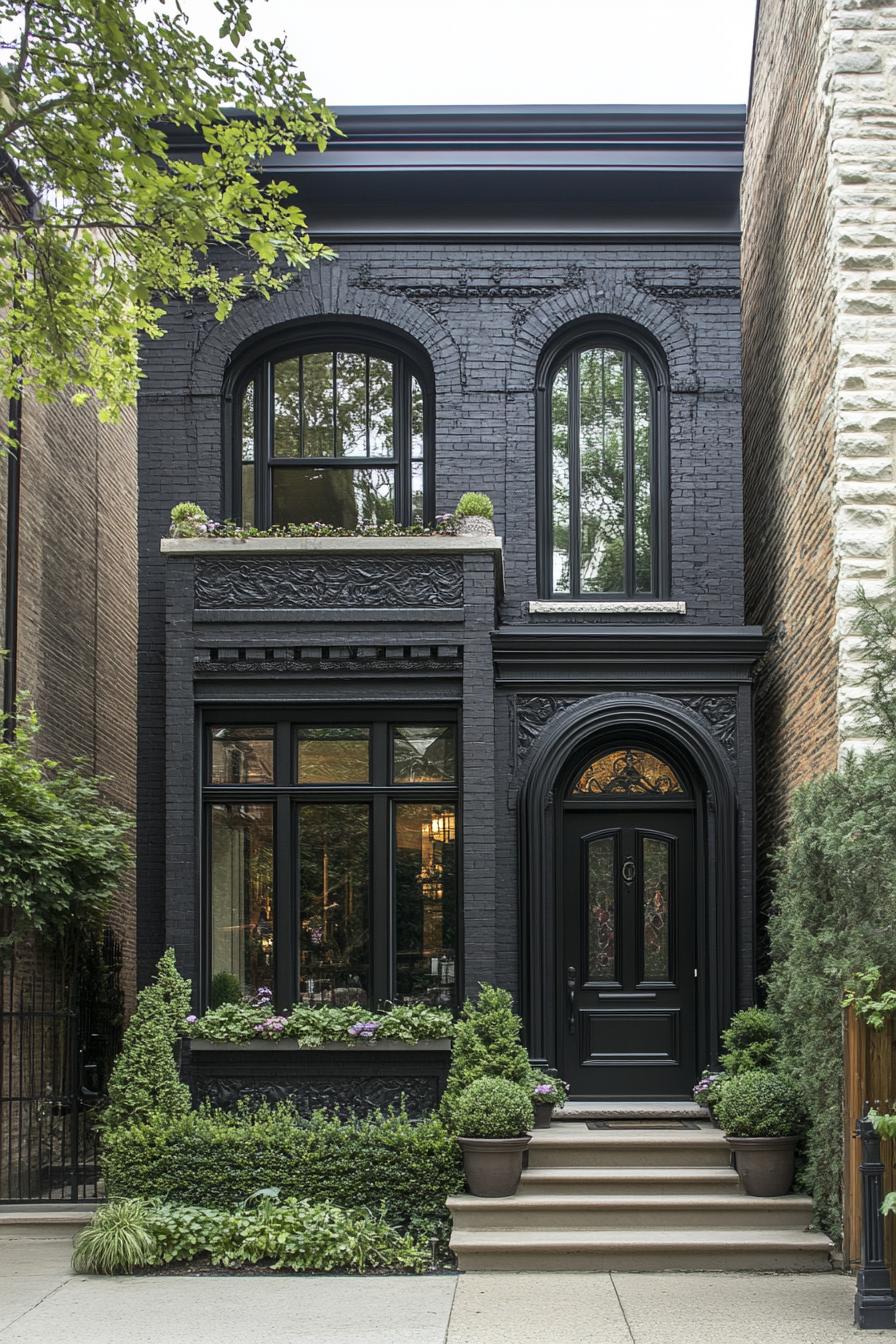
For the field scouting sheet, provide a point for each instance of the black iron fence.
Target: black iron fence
(60, 1029)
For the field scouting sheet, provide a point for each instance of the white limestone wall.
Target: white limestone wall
(858, 96)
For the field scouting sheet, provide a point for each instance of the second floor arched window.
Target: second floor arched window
(333, 425)
(603, 468)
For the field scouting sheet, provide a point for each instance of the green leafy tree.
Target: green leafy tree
(145, 1081)
(63, 847)
(100, 223)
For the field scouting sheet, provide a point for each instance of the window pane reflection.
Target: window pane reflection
(560, 480)
(338, 496)
(423, 754)
(242, 755)
(335, 755)
(242, 884)
(425, 902)
(602, 470)
(643, 480)
(334, 891)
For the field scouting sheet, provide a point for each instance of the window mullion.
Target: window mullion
(382, 956)
(575, 521)
(628, 427)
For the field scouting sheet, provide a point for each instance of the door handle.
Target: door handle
(571, 998)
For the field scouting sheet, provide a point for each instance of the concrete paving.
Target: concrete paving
(42, 1301)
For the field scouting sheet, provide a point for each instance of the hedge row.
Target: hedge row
(218, 1158)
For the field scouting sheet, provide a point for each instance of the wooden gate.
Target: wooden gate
(869, 1073)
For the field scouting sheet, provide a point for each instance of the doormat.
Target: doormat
(642, 1124)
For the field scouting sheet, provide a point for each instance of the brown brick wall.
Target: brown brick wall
(77, 600)
(788, 370)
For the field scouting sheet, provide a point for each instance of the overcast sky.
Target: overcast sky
(513, 51)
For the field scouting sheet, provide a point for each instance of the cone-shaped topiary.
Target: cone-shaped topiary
(145, 1077)
(486, 1045)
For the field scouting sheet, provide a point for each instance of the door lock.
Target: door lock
(628, 872)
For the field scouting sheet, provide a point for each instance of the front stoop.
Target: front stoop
(634, 1200)
(43, 1222)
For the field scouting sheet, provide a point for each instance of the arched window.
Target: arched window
(604, 467)
(331, 425)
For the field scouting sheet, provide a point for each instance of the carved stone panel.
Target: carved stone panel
(534, 712)
(335, 582)
(340, 1096)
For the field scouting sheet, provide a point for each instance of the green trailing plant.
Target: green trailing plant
(835, 907)
(228, 1022)
(145, 1084)
(228, 530)
(493, 1108)
(280, 1233)
(117, 1240)
(217, 1158)
(751, 1041)
(245, 1020)
(63, 847)
(472, 504)
(224, 988)
(486, 1044)
(760, 1104)
(871, 1003)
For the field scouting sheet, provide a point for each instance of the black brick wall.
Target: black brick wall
(484, 349)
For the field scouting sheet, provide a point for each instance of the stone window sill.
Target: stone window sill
(599, 607)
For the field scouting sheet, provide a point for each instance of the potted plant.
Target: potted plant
(547, 1092)
(189, 520)
(492, 1118)
(762, 1114)
(474, 514)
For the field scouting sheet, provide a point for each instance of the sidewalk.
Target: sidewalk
(41, 1301)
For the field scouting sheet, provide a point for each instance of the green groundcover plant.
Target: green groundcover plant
(279, 1233)
(213, 1158)
(474, 504)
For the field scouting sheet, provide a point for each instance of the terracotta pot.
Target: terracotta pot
(493, 1167)
(765, 1165)
(543, 1112)
(474, 526)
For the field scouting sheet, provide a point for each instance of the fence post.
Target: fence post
(875, 1306)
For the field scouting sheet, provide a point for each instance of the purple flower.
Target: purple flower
(364, 1030)
(542, 1089)
(261, 998)
(191, 1018)
(271, 1026)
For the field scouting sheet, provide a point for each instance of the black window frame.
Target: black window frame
(637, 348)
(381, 795)
(376, 340)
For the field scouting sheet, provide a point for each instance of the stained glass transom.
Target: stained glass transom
(628, 772)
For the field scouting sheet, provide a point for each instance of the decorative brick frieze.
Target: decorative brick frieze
(340, 660)
(360, 583)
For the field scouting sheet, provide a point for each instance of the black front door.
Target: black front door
(627, 1024)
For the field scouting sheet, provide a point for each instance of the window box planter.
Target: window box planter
(344, 1078)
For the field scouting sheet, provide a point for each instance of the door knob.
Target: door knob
(571, 997)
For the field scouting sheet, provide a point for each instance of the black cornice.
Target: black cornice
(740, 644)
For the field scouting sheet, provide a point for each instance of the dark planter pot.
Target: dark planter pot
(493, 1167)
(543, 1112)
(765, 1165)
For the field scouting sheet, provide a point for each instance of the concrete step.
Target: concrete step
(589, 1212)
(628, 1180)
(714, 1249)
(574, 1145)
(631, 1110)
(43, 1222)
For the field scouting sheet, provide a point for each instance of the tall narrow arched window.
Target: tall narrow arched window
(604, 475)
(333, 425)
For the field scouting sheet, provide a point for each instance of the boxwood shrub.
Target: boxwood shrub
(218, 1158)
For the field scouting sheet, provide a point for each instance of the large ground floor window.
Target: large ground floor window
(330, 847)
